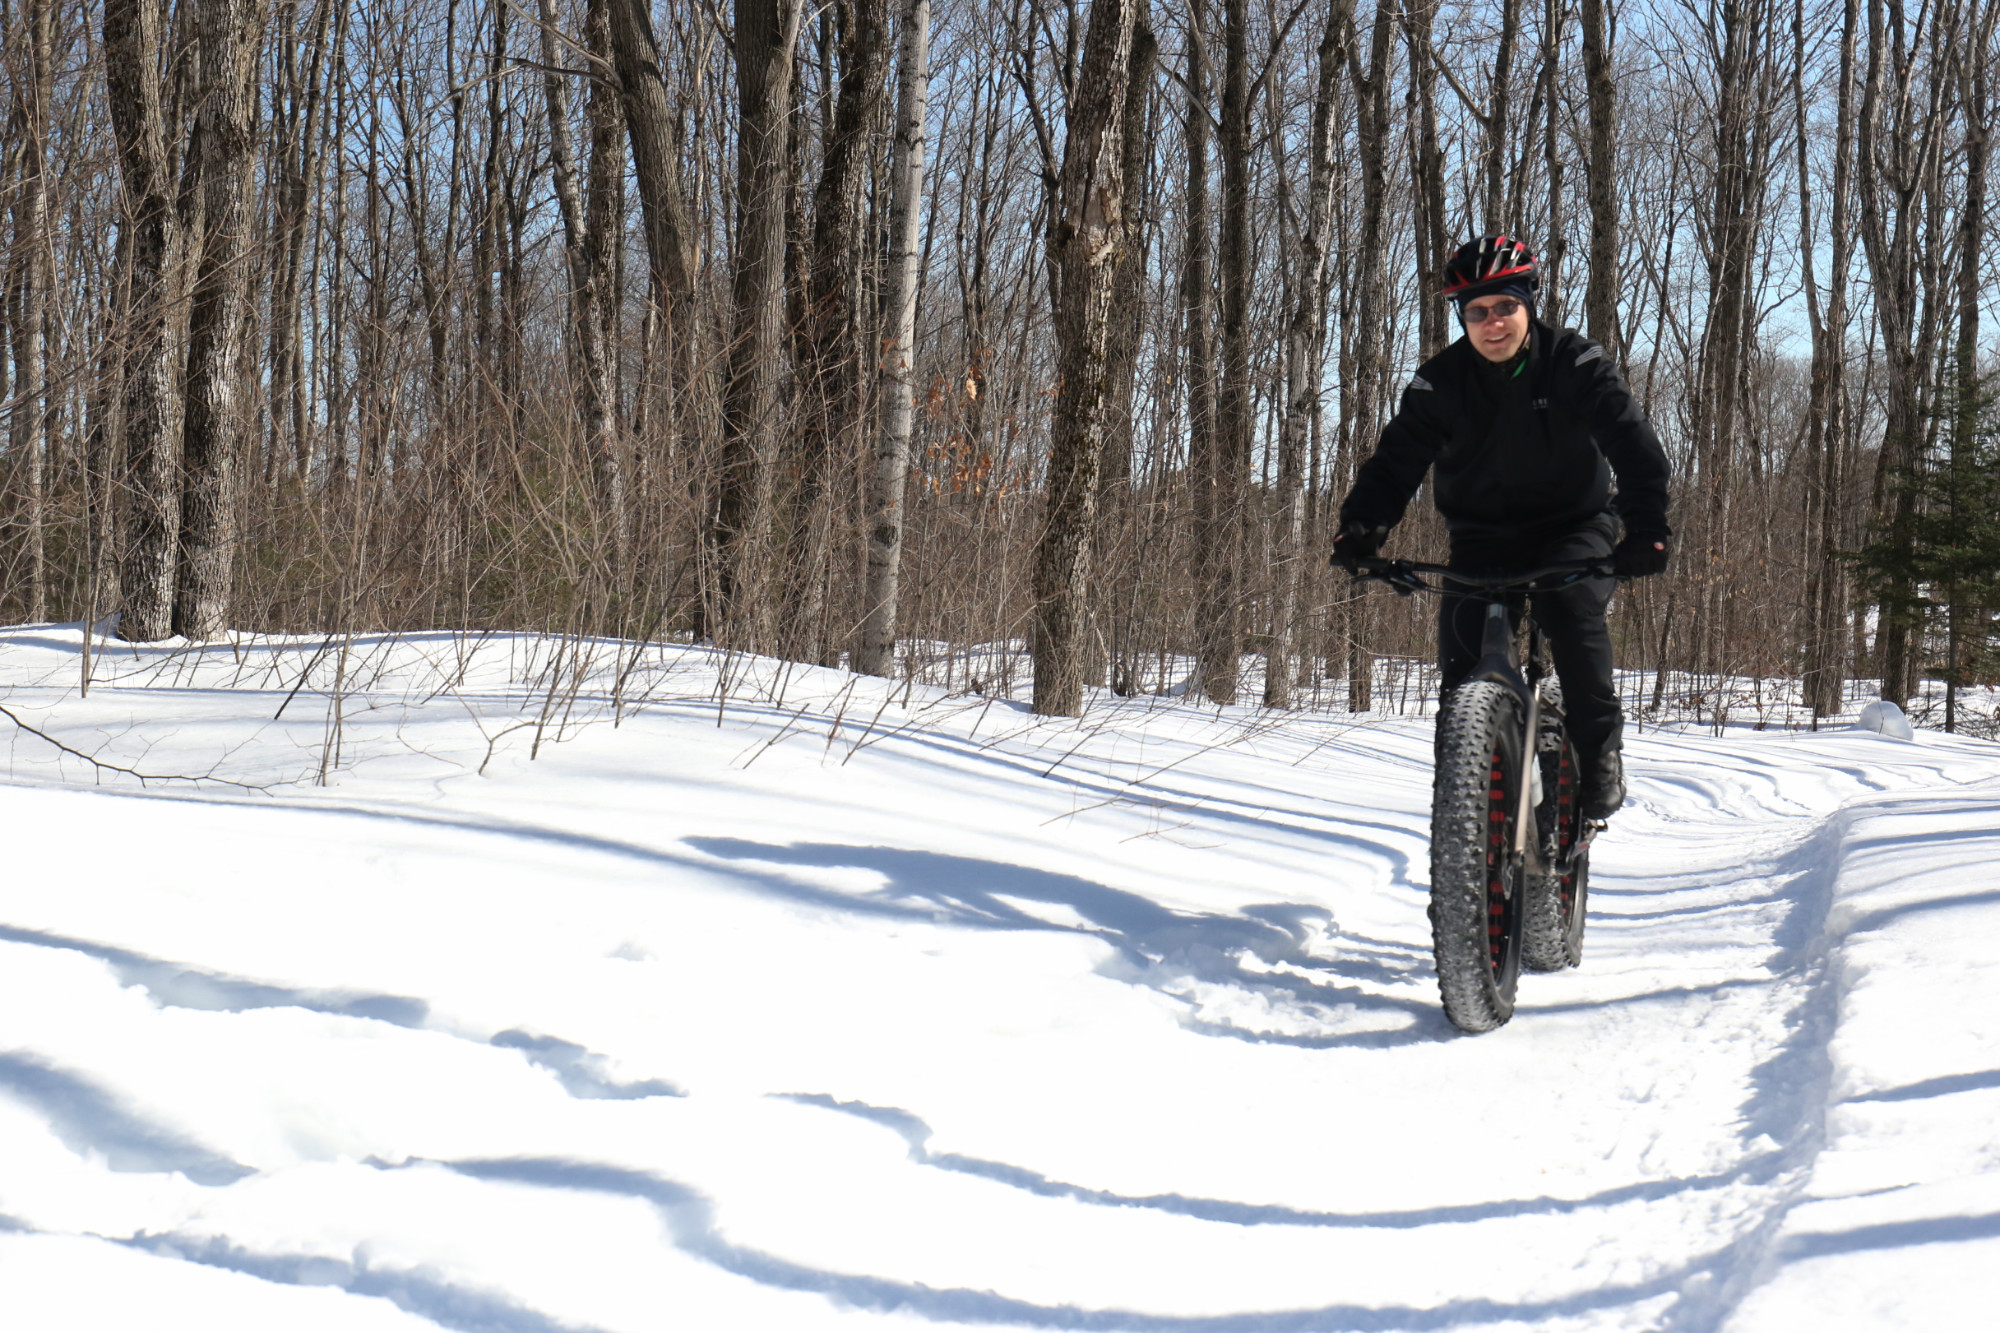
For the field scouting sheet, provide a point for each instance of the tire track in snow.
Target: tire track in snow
(582, 1072)
(690, 1219)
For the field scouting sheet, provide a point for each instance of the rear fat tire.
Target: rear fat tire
(1552, 929)
(1477, 905)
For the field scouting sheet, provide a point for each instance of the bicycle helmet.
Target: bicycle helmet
(1488, 265)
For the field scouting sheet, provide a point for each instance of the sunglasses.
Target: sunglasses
(1504, 308)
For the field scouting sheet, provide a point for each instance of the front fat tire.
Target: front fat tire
(1476, 931)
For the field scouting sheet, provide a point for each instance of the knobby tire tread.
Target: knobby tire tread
(1482, 718)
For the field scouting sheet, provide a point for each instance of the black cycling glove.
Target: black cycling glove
(1356, 542)
(1641, 554)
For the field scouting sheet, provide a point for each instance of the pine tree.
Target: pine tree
(1944, 545)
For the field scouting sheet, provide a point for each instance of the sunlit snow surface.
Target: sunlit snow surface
(849, 1006)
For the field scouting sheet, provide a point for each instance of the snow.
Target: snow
(766, 998)
(1885, 718)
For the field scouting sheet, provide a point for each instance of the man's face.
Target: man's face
(1496, 326)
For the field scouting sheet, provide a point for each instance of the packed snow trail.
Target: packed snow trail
(846, 1005)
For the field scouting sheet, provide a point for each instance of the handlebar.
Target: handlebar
(1407, 576)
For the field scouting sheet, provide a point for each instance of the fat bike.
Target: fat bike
(1510, 850)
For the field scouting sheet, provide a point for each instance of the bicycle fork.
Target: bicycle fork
(1496, 651)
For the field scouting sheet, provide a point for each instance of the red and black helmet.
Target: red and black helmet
(1488, 265)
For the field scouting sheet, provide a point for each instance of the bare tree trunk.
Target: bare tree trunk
(587, 226)
(1494, 141)
(1207, 465)
(101, 445)
(215, 436)
(1974, 60)
(738, 531)
(1110, 650)
(32, 398)
(1555, 246)
(875, 649)
(1434, 329)
(656, 161)
(296, 159)
(1720, 405)
(835, 395)
(1895, 161)
(1826, 596)
(1305, 357)
(135, 37)
(1127, 318)
(1371, 305)
(1086, 240)
(1600, 299)
(1218, 609)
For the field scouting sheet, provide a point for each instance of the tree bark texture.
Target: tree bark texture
(835, 392)
(1823, 668)
(1898, 146)
(29, 417)
(1434, 325)
(875, 650)
(656, 161)
(1207, 463)
(1366, 398)
(1601, 291)
(1743, 105)
(1305, 361)
(1218, 598)
(739, 528)
(1495, 137)
(215, 436)
(1111, 649)
(135, 36)
(1128, 313)
(588, 219)
(1086, 241)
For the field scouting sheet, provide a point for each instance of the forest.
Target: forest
(957, 340)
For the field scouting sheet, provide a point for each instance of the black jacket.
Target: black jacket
(1517, 453)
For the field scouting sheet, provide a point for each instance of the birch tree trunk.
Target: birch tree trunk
(875, 648)
(1086, 240)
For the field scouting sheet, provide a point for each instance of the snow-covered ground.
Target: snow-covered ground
(793, 1002)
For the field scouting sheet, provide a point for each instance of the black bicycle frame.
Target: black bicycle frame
(1496, 655)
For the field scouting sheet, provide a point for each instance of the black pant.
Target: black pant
(1572, 618)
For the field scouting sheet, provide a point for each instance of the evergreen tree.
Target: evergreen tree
(1945, 545)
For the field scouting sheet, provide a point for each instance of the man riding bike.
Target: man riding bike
(1526, 425)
